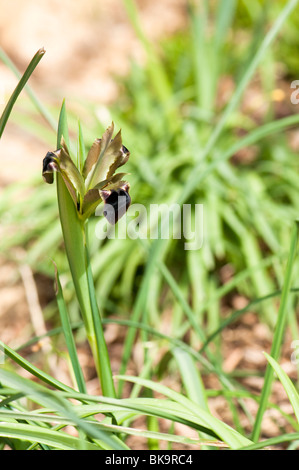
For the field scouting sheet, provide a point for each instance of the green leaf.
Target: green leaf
(35, 371)
(104, 366)
(264, 444)
(279, 330)
(191, 378)
(31, 433)
(41, 418)
(35, 100)
(67, 330)
(27, 74)
(55, 401)
(207, 421)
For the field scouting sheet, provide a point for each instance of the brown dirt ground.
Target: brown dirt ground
(86, 43)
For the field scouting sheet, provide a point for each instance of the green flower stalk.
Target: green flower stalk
(80, 191)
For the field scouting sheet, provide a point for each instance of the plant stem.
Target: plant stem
(104, 366)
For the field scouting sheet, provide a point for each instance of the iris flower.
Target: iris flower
(97, 182)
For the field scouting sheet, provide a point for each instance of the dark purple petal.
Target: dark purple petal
(49, 166)
(116, 205)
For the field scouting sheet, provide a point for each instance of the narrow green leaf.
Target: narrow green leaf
(156, 70)
(278, 334)
(31, 433)
(103, 356)
(225, 15)
(203, 57)
(265, 444)
(67, 330)
(153, 407)
(35, 371)
(160, 436)
(27, 74)
(191, 378)
(155, 435)
(53, 400)
(62, 130)
(139, 306)
(225, 432)
(287, 384)
(184, 304)
(37, 103)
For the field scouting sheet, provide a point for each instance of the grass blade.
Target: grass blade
(225, 432)
(273, 441)
(51, 399)
(31, 433)
(39, 106)
(35, 371)
(184, 304)
(156, 70)
(224, 19)
(278, 334)
(191, 378)
(104, 360)
(287, 384)
(28, 72)
(67, 330)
